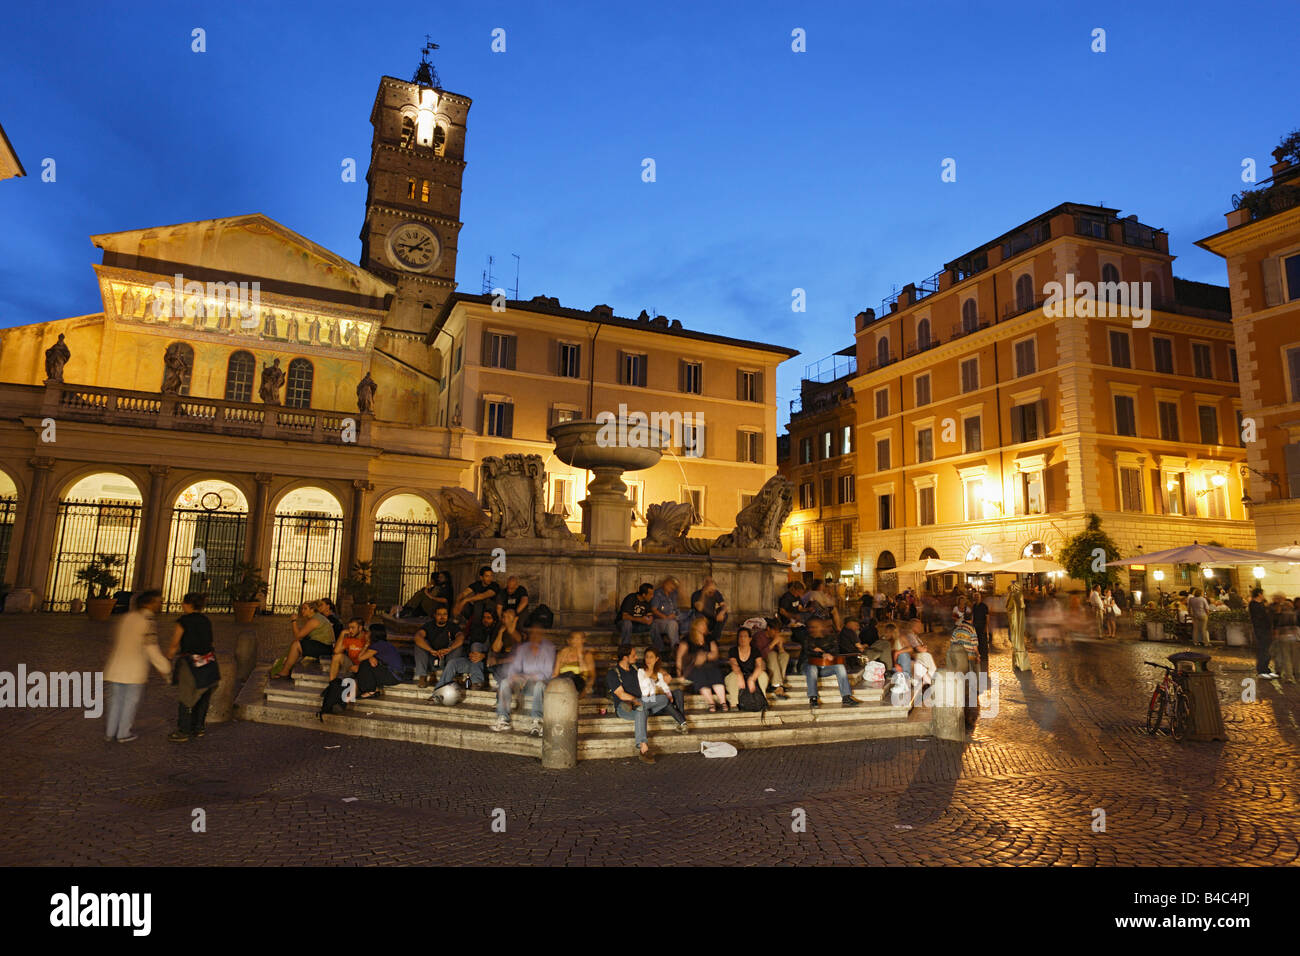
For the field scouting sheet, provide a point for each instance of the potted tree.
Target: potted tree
(246, 591)
(1155, 619)
(99, 578)
(1231, 624)
(361, 589)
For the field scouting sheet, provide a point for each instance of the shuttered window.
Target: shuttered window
(498, 350)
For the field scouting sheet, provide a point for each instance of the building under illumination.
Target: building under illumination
(991, 417)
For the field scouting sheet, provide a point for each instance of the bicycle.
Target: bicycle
(1171, 687)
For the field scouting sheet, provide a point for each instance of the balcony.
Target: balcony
(880, 361)
(113, 406)
(1013, 309)
(961, 329)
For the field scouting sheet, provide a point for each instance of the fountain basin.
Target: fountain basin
(597, 445)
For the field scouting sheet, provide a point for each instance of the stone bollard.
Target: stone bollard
(560, 725)
(223, 695)
(245, 654)
(948, 713)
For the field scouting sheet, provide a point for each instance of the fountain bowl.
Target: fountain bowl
(600, 445)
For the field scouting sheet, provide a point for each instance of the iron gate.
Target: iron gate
(8, 508)
(85, 530)
(220, 536)
(402, 560)
(305, 550)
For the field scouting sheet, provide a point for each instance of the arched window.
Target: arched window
(929, 553)
(1109, 273)
(297, 393)
(970, 319)
(408, 132)
(1024, 292)
(882, 351)
(439, 140)
(923, 334)
(239, 377)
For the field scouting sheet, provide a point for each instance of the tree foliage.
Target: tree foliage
(1080, 554)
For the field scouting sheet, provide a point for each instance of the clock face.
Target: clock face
(413, 247)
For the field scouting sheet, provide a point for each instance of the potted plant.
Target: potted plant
(247, 589)
(361, 589)
(1231, 624)
(1155, 619)
(99, 578)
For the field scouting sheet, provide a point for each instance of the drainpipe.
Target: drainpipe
(591, 379)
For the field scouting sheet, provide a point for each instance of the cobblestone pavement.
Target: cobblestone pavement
(1065, 743)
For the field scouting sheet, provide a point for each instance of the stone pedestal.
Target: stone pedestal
(606, 511)
(22, 601)
(948, 712)
(560, 725)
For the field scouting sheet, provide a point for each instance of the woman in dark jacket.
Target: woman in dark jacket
(195, 670)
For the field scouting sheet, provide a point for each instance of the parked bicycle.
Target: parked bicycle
(1170, 695)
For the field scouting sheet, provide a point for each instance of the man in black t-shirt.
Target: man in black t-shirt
(709, 604)
(634, 615)
(482, 593)
(434, 644)
(793, 613)
(629, 703)
(514, 597)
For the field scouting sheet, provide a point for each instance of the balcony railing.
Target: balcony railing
(878, 361)
(1013, 309)
(215, 416)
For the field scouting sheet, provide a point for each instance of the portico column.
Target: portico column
(147, 546)
(35, 503)
(360, 493)
(257, 520)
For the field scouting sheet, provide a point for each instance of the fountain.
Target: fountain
(583, 579)
(606, 511)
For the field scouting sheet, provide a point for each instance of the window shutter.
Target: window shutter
(1158, 501)
(742, 441)
(681, 375)
(482, 416)
(1291, 458)
(1272, 282)
(758, 448)
(758, 387)
(1017, 425)
(1020, 494)
(508, 421)
(510, 351)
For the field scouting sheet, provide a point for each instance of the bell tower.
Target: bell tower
(417, 159)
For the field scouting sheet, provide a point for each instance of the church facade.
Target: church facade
(244, 396)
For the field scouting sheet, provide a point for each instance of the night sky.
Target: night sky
(775, 170)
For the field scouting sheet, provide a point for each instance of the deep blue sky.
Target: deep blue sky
(776, 169)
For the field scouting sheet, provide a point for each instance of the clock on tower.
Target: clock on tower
(417, 159)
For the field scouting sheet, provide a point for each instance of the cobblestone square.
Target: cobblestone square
(1067, 742)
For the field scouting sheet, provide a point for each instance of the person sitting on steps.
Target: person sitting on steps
(634, 615)
(577, 663)
(747, 669)
(817, 641)
(528, 669)
(624, 686)
(434, 643)
(313, 637)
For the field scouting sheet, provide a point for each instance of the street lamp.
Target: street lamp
(1258, 572)
(1158, 575)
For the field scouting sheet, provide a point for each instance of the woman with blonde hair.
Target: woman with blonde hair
(577, 663)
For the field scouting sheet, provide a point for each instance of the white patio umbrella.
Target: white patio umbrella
(1030, 566)
(1290, 552)
(1195, 553)
(924, 566)
(970, 567)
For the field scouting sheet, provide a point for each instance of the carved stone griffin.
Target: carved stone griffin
(758, 525)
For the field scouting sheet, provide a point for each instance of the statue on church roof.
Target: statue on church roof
(56, 356)
(176, 365)
(366, 389)
(272, 382)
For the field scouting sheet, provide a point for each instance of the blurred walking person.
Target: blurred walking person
(135, 647)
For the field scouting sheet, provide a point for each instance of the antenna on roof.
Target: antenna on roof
(516, 255)
(489, 280)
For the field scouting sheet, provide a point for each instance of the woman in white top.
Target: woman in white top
(655, 681)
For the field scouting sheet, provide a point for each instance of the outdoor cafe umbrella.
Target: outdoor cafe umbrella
(1030, 566)
(1290, 552)
(924, 566)
(1195, 553)
(969, 567)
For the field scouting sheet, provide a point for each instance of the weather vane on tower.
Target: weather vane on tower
(425, 74)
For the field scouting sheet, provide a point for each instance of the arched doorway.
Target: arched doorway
(8, 511)
(99, 515)
(306, 543)
(209, 523)
(405, 542)
(886, 577)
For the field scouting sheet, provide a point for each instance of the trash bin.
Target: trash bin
(1198, 679)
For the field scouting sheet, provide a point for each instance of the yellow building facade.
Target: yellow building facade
(995, 410)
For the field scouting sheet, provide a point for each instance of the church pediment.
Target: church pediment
(254, 246)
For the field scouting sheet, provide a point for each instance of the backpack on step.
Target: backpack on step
(751, 701)
(331, 699)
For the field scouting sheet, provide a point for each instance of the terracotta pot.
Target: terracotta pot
(244, 611)
(100, 609)
(77, 606)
